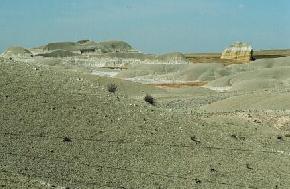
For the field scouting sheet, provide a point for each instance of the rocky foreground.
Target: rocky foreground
(205, 125)
(61, 128)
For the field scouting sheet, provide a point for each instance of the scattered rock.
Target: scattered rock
(194, 139)
(238, 137)
(234, 136)
(197, 181)
(249, 166)
(257, 121)
(213, 170)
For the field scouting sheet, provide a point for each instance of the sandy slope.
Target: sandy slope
(62, 129)
(262, 101)
(267, 73)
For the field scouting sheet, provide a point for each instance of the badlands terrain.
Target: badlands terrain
(213, 123)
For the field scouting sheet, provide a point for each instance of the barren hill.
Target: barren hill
(62, 129)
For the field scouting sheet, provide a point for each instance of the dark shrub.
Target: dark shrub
(149, 99)
(67, 139)
(112, 88)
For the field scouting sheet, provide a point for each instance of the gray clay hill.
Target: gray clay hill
(73, 115)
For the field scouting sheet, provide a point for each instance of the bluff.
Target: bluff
(238, 51)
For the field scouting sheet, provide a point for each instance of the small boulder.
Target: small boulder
(238, 51)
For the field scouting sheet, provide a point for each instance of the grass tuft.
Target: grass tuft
(112, 88)
(67, 139)
(150, 99)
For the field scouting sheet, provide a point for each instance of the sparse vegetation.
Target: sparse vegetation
(150, 99)
(279, 137)
(67, 139)
(112, 88)
(70, 117)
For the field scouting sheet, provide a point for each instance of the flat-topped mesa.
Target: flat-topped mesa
(88, 47)
(238, 51)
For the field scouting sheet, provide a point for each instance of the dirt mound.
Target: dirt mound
(113, 46)
(172, 57)
(268, 73)
(17, 52)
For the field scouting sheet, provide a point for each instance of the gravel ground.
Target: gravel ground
(62, 129)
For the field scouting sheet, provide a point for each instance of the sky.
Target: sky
(152, 26)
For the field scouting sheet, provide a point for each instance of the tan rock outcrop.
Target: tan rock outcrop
(238, 51)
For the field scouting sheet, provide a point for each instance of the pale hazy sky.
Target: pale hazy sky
(149, 25)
